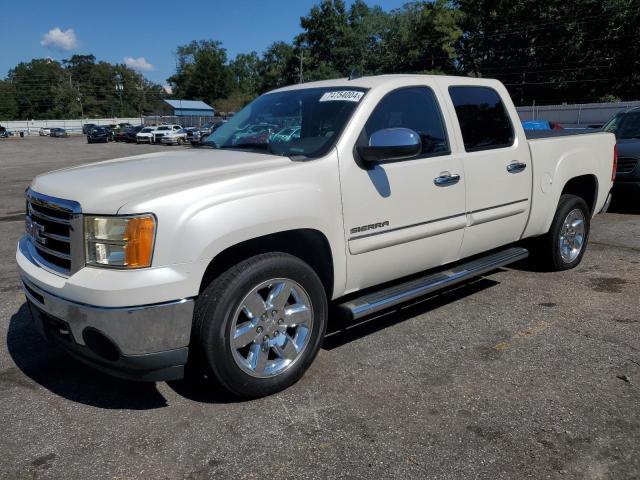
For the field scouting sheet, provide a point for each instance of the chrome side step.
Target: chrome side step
(391, 296)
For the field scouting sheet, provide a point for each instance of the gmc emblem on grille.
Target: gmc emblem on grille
(35, 231)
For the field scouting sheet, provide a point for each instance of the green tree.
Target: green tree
(278, 67)
(552, 52)
(8, 104)
(35, 85)
(245, 71)
(202, 72)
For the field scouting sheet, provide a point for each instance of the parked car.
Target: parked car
(162, 130)
(211, 127)
(58, 132)
(285, 135)
(541, 125)
(44, 132)
(626, 127)
(208, 128)
(145, 135)
(113, 130)
(253, 131)
(399, 186)
(129, 134)
(193, 134)
(87, 127)
(175, 137)
(98, 135)
(5, 133)
(124, 133)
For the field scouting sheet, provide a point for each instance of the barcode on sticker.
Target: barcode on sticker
(342, 96)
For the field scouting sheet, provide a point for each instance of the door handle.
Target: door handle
(446, 180)
(516, 167)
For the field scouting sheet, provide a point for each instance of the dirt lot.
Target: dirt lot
(519, 374)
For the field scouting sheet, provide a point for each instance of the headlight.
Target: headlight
(119, 242)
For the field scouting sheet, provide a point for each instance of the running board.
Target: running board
(392, 296)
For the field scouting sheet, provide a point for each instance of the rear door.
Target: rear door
(496, 163)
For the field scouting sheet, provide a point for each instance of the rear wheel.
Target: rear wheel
(563, 247)
(260, 324)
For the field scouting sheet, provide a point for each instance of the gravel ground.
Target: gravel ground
(519, 374)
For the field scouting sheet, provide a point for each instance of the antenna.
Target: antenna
(354, 74)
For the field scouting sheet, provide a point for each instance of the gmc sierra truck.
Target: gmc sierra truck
(228, 257)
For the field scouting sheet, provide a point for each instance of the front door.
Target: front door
(405, 216)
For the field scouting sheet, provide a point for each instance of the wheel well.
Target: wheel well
(309, 245)
(585, 187)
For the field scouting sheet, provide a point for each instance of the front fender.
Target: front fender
(200, 222)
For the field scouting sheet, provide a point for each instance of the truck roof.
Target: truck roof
(377, 80)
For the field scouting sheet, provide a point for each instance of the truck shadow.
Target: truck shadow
(624, 203)
(341, 331)
(50, 367)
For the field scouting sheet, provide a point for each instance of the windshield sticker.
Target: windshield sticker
(342, 96)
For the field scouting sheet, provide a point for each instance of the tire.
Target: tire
(261, 367)
(180, 141)
(571, 210)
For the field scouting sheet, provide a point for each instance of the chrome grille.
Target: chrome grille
(626, 165)
(54, 229)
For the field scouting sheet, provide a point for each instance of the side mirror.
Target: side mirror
(391, 144)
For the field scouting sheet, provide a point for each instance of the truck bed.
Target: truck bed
(536, 134)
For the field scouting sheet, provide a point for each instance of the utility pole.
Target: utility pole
(301, 74)
(119, 88)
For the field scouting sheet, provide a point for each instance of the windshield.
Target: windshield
(624, 125)
(146, 130)
(163, 128)
(317, 114)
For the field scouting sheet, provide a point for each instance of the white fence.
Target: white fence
(32, 127)
(578, 115)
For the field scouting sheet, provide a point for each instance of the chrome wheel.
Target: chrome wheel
(572, 235)
(271, 327)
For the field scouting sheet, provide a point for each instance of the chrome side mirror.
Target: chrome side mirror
(391, 144)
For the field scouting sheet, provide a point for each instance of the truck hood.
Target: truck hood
(104, 187)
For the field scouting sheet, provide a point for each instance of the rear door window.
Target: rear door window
(483, 119)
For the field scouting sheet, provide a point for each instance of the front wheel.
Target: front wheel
(259, 325)
(563, 247)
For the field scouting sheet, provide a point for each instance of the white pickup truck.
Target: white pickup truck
(228, 257)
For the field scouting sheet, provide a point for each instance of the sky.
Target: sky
(145, 35)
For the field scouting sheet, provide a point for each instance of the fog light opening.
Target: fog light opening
(100, 344)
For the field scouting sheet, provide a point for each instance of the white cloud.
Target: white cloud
(167, 88)
(140, 64)
(63, 40)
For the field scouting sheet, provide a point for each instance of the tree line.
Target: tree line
(76, 87)
(544, 51)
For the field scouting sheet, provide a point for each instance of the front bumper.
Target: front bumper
(148, 342)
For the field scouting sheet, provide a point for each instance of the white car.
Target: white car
(163, 130)
(398, 186)
(145, 135)
(44, 132)
(175, 137)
